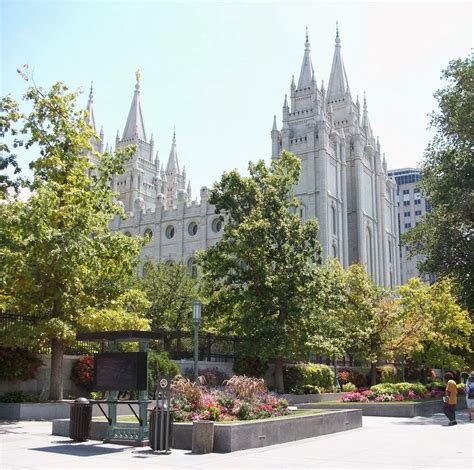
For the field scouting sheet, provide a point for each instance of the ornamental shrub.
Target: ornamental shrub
(82, 372)
(388, 374)
(18, 396)
(344, 376)
(251, 366)
(349, 387)
(402, 388)
(297, 376)
(18, 364)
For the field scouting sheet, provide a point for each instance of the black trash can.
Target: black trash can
(80, 419)
(151, 428)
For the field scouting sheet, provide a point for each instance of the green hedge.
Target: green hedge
(401, 387)
(299, 377)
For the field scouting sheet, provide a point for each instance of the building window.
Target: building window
(368, 249)
(408, 225)
(406, 191)
(169, 232)
(127, 234)
(417, 201)
(406, 203)
(192, 267)
(333, 220)
(192, 228)
(406, 214)
(418, 212)
(148, 233)
(216, 225)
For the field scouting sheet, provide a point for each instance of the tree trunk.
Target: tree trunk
(373, 373)
(279, 385)
(56, 378)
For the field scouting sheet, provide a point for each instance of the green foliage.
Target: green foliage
(261, 276)
(170, 290)
(349, 387)
(251, 366)
(388, 374)
(59, 257)
(18, 396)
(433, 330)
(298, 376)
(159, 365)
(403, 388)
(18, 364)
(444, 236)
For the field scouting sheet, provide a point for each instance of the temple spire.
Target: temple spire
(90, 109)
(338, 85)
(365, 119)
(307, 72)
(172, 166)
(135, 128)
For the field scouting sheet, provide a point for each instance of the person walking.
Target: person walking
(450, 399)
(470, 395)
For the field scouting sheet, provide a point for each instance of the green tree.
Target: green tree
(370, 318)
(446, 235)
(434, 330)
(170, 289)
(59, 258)
(261, 275)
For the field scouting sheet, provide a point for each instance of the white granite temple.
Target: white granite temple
(344, 182)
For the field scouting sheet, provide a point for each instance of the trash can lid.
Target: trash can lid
(81, 400)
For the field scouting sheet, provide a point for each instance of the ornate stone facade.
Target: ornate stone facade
(344, 182)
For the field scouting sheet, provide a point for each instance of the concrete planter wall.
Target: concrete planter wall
(230, 437)
(34, 411)
(395, 410)
(311, 398)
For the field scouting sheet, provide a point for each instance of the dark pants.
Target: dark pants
(450, 411)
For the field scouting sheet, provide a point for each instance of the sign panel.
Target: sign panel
(120, 371)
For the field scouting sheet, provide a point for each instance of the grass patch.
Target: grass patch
(404, 402)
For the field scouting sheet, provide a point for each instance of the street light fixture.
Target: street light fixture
(196, 319)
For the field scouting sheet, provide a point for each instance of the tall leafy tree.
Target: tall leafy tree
(433, 329)
(59, 257)
(446, 235)
(170, 289)
(261, 275)
(370, 317)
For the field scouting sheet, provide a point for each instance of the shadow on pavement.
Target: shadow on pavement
(437, 419)
(81, 449)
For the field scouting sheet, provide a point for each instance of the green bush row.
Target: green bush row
(402, 387)
(303, 377)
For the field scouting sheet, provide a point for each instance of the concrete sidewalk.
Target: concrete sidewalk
(382, 443)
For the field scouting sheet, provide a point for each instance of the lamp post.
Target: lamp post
(196, 319)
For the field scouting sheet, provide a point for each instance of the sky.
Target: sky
(218, 71)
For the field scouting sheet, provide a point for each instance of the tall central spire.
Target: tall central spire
(307, 72)
(338, 85)
(90, 110)
(135, 129)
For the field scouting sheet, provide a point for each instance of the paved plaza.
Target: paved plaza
(382, 443)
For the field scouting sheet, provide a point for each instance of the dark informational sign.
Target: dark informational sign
(120, 371)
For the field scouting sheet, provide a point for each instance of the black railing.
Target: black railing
(178, 344)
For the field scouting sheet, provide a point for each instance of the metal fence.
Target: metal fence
(178, 344)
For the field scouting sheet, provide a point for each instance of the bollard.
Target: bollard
(203, 437)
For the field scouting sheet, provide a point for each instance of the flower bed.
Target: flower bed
(384, 393)
(240, 398)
